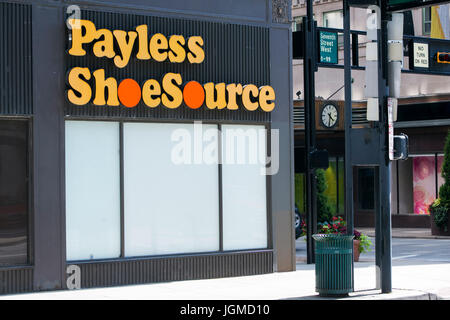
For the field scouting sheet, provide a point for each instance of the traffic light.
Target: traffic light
(401, 147)
(443, 57)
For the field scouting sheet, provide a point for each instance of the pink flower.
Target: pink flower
(421, 207)
(419, 194)
(422, 167)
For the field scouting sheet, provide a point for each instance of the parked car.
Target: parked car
(298, 223)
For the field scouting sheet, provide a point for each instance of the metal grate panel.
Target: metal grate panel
(16, 280)
(16, 93)
(207, 266)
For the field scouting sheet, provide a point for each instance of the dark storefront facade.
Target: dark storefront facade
(96, 95)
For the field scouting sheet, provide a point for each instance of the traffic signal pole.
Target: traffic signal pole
(348, 170)
(383, 244)
(309, 68)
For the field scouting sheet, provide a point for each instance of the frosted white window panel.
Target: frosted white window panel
(169, 207)
(92, 190)
(244, 187)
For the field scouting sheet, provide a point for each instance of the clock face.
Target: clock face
(329, 116)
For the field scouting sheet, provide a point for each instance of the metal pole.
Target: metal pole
(377, 228)
(308, 80)
(384, 218)
(348, 175)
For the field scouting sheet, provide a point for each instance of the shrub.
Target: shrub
(323, 207)
(439, 213)
(365, 243)
(444, 190)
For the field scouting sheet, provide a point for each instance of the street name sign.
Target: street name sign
(328, 47)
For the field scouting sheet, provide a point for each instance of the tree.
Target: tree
(444, 190)
(323, 206)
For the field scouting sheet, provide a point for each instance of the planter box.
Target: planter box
(439, 231)
(356, 252)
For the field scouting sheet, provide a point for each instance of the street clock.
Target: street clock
(329, 115)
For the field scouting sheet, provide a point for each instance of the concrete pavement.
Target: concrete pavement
(412, 233)
(412, 279)
(410, 282)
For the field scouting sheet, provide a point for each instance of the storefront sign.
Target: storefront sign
(328, 44)
(120, 46)
(420, 52)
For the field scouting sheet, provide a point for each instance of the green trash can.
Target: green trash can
(334, 259)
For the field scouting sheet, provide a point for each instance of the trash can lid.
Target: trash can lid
(334, 236)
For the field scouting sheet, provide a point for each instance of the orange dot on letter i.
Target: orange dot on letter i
(193, 94)
(129, 93)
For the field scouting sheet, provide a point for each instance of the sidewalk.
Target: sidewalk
(410, 282)
(423, 233)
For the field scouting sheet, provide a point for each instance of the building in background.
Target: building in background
(423, 114)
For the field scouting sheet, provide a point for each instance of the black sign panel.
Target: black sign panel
(233, 54)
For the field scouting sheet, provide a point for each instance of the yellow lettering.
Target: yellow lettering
(80, 86)
(210, 95)
(196, 54)
(177, 52)
(266, 98)
(125, 47)
(172, 90)
(143, 53)
(100, 85)
(157, 43)
(246, 100)
(78, 38)
(104, 48)
(150, 89)
(233, 89)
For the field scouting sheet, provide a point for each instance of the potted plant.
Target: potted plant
(361, 244)
(440, 208)
(440, 224)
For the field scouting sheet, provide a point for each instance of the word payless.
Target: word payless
(171, 92)
(159, 47)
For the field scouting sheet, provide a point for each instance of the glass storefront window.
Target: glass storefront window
(244, 189)
(335, 191)
(13, 192)
(92, 190)
(332, 187)
(424, 183)
(440, 179)
(300, 192)
(417, 180)
(366, 188)
(341, 186)
(168, 207)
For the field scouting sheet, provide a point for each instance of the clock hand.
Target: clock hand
(331, 117)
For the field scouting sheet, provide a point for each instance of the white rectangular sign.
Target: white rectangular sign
(420, 55)
(391, 128)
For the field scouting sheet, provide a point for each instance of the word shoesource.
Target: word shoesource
(171, 92)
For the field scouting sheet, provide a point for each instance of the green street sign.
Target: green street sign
(393, 2)
(328, 47)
